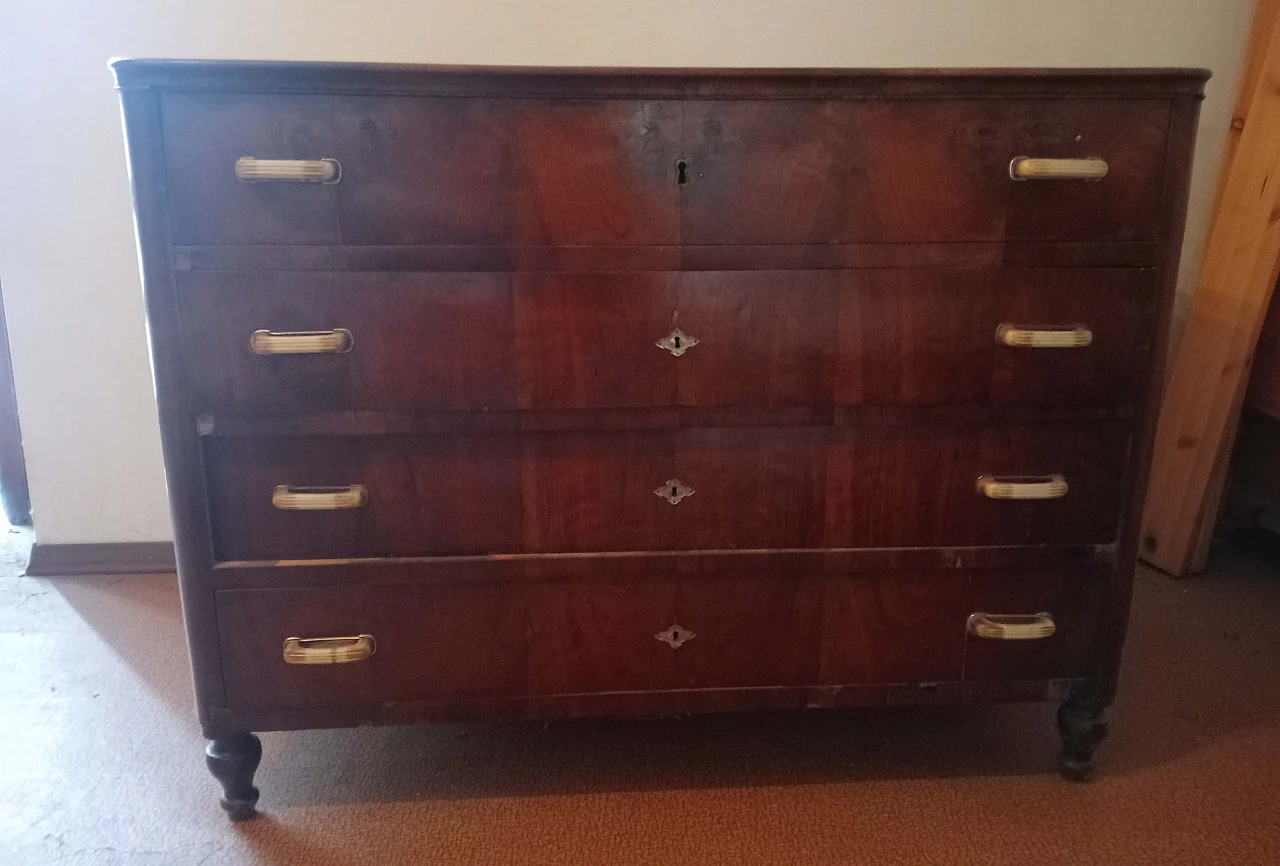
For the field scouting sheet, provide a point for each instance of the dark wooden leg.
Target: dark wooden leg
(232, 760)
(1083, 725)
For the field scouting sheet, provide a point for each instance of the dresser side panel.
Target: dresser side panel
(183, 466)
(1183, 119)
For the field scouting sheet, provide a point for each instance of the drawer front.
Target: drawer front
(446, 642)
(629, 172)
(423, 341)
(697, 489)
(424, 170)
(795, 171)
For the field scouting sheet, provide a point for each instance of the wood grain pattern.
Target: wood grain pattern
(433, 341)
(425, 171)
(593, 492)
(506, 247)
(489, 341)
(452, 643)
(1130, 135)
(1226, 314)
(928, 336)
(847, 172)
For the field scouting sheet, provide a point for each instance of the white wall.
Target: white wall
(67, 257)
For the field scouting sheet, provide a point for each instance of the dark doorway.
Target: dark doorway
(14, 495)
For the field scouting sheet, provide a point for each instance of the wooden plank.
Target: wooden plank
(1227, 310)
(1265, 16)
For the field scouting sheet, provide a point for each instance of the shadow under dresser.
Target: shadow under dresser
(561, 392)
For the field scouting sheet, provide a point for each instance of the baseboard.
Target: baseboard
(129, 557)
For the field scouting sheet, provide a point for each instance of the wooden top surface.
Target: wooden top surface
(437, 80)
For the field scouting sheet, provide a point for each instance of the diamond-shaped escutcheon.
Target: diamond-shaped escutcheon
(677, 342)
(674, 491)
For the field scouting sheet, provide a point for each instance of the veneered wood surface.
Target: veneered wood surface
(928, 336)
(498, 237)
(600, 172)
(453, 643)
(450, 341)
(425, 171)
(845, 172)
(592, 492)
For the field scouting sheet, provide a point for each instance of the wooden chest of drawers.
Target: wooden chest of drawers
(567, 392)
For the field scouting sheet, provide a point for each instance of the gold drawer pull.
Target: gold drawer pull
(252, 170)
(1066, 337)
(288, 498)
(328, 650)
(1026, 168)
(1022, 487)
(1012, 626)
(333, 342)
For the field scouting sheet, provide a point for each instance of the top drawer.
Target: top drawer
(426, 170)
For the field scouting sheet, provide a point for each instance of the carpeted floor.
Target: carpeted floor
(101, 761)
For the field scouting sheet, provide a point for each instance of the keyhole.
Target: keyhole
(674, 493)
(675, 341)
(682, 173)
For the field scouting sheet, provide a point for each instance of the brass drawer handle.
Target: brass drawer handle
(252, 170)
(333, 342)
(288, 498)
(328, 650)
(1010, 626)
(1066, 337)
(1027, 168)
(1022, 487)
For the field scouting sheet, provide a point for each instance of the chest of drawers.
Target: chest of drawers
(537, 393)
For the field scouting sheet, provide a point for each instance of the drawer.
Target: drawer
(632, 172)
(443, 642)
(422, 341)
(695, 489)
(423, 170)
(798, 171)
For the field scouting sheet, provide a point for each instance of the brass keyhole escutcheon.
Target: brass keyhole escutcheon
(674, 491)
(676, 636)
(677, 342)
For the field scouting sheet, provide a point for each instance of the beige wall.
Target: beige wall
(67, 257)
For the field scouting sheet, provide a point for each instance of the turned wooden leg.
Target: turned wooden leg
(1083, 725)
(232, 760)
